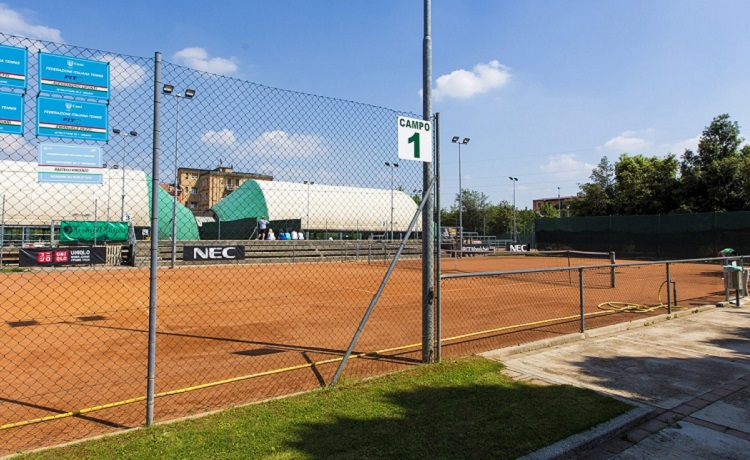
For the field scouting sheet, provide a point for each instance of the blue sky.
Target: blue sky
(544, 89)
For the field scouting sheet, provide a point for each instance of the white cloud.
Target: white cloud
(13, 23)
(222, 138)
(628, 142)
(124, 75)
(567, 167)
(463, 84)
(679, 148)
(283, 144)
(198, 59)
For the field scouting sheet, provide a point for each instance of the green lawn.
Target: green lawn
(460, 409)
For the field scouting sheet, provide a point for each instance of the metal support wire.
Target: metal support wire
(377, 295)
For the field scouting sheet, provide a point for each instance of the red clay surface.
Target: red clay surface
(78, 338)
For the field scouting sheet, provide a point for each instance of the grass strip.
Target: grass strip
(458, 409)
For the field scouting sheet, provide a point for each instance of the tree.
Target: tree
(716, 178)
(548, 210)
(645, 185)
(596, 197)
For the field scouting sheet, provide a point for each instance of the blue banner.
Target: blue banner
(73, 76)
(72, 119)
(11, 113)
(13, 67)
(70, 164)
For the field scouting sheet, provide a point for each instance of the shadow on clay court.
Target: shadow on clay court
(269, 347)
(59, 411)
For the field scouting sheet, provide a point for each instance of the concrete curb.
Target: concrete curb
(569, 447)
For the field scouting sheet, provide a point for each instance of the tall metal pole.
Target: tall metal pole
(392, 166)
(428, 234)
(460, 207)
(176, 183)
(122, 201)
(559, 203)
(109, 187)
(392, 172)
(96, 218)
(124, 153)
(151, 376)
(515, 229)
(307, 225)
(2, 233)
(438, 268)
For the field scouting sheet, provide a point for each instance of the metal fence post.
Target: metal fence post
(580, 284)
(151, 376)
(669, 294)
(612, 270)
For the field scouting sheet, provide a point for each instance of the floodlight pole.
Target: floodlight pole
(392, 166)
(515, 227)
(307, 225)
(124, 153)
(460, 197)
(189, 94)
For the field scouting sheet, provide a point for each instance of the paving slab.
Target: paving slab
(693, 372)
(687, 441)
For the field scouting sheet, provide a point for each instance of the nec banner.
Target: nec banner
(213, 252)
(50, 257)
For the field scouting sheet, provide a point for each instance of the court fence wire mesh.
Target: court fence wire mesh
(277, 215)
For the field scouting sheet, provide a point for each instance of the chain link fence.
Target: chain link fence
(526, 298)
(265, 221)
(277, 214)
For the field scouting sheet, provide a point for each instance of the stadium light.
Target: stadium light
(189, 94)
(515, 231)
(460, 196)
(392, 166)
(124, 145)
(307, 225)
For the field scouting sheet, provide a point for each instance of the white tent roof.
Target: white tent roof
(338, 207)
(28, 202)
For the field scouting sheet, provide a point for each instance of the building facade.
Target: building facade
(561, 203)
(200, 189)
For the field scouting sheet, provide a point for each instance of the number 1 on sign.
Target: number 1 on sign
(415, 139)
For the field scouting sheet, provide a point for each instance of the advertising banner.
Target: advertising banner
(11, 113)
(213, 253)
(51, 257)
(74, 231)
(13, 67)
(71, 119)
(76, 77)
(70, 164)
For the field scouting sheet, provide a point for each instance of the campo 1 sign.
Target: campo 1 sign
(414, 139)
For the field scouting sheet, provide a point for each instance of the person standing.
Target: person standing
(262, 228)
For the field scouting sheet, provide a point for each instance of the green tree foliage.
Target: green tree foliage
(716, 178)
(596, 198)
(547, 210)
(645, 185)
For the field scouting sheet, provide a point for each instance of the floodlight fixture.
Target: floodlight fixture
(455, 139)
(189, 93)
(167, 89)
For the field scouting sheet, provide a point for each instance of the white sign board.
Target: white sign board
(414, 139)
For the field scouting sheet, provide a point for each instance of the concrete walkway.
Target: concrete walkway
(689, 377)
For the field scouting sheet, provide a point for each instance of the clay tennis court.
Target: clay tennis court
(76, 339)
